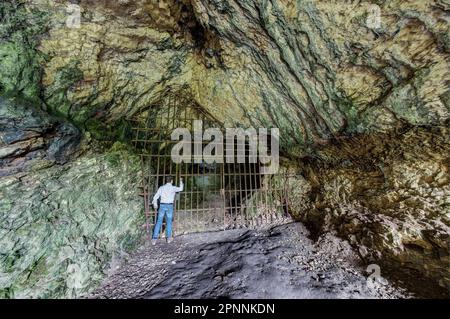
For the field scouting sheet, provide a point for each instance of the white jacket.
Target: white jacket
(167, 194)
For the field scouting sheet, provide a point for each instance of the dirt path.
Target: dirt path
(280, 262)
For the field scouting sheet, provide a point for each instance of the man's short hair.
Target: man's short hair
(169, 179)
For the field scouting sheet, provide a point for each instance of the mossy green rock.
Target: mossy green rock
(21, 29)
(62, 225)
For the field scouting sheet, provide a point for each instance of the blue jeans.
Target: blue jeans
(164, 210)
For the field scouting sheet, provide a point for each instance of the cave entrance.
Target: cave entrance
(216, 196)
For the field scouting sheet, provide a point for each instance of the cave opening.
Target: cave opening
(217, 195)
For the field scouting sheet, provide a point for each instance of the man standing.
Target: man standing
(167, 194)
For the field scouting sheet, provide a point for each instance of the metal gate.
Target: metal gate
(216, 196)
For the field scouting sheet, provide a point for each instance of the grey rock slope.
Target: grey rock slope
(278, 262)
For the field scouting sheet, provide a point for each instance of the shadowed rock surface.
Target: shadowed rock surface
(28, 134)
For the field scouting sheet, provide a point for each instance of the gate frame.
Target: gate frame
(171, 102)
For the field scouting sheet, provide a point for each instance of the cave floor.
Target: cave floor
(277, 262)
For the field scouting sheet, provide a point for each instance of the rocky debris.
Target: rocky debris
(277, 262)
(390, 202)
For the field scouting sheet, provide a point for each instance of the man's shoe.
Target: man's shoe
(169, 240)
(153, 242)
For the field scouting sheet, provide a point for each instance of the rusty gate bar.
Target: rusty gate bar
(217, 196)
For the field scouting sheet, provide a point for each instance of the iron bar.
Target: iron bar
(217, 195)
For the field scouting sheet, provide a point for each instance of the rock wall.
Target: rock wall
(63, 220)
(62, 226)
(389, 196)
(358, 89)
(68, 203)
(315, 69)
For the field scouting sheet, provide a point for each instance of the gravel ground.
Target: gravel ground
(278, 262)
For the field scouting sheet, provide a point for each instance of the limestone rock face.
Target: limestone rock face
(358, 90)
(318, 69)
(315, 69)
(390, 201)
(62, 225)
(113, 65)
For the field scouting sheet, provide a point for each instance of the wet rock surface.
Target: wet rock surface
(279, 262)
